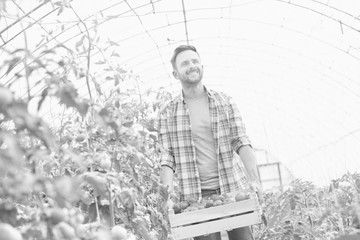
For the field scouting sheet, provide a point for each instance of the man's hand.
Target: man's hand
(170, 204)
(256, 187)
(173, 198)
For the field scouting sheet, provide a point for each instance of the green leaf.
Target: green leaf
(13, 154)
(83, 107)
(68, 96)
(6, 98)
(128, 201)
(104, 119)
(98, 181)
(112, 43)
(12, 64)
(143, 228)
(92, 214)
(59, 4)
(80, 42)
(8, 213)
(67, 190)
(292, 203)
(149, 125)
(43, 96)
(121, 70)
(100, 62)
(61, 9)
(104, 113)
(114, 54)
(115, 127)
(117, 80)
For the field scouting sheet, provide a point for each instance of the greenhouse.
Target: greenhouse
(83, 83)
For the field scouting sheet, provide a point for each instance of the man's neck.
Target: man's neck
(192, 92)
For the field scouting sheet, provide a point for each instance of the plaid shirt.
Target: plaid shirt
(178, 149)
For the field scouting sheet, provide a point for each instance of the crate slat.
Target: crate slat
(216, 226)
(213, 212)
(215, 219)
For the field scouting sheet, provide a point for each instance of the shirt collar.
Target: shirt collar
(182, 98)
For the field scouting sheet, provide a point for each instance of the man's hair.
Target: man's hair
(180, 49)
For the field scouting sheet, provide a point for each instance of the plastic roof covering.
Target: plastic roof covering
(292, 66)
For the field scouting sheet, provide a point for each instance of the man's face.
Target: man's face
(189, 69)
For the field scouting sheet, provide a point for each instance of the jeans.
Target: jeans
(243, 233)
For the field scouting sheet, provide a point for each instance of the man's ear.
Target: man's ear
(175, 74)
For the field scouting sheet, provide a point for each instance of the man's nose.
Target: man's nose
(192, 66)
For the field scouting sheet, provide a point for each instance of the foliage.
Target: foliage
(97, 166)
(306, 212)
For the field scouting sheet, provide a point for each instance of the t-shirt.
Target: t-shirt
(206, 157)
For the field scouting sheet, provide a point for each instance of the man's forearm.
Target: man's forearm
(167, 177)
(247, 156)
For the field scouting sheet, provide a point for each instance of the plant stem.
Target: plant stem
(112, 216)
(89, 51)
(25, 63)
(97, 211)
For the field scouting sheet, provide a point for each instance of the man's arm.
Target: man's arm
(166, 155)
(238, 135)
(247, 156)
(167, 177)
(241, 144)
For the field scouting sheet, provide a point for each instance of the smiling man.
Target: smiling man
(203, 140)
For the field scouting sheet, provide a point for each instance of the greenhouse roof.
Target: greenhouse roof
(292, 66)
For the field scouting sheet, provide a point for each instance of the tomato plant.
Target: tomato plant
(305, 211)
(97, 167)
(94, 173)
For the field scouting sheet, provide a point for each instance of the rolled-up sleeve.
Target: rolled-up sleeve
(166, 152)
(239, 137)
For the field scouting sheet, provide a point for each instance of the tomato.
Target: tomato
(177, 208)
(218, 203)
(6, 96)
(118, 233)
(184, 204)
(105, 163)
(209, 203)
(241, 196)
(7, 232)
(56, 215)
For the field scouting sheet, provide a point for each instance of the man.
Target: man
(202, 136)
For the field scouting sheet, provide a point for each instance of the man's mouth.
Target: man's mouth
(192, 71)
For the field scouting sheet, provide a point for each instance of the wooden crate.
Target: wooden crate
(215, 219)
